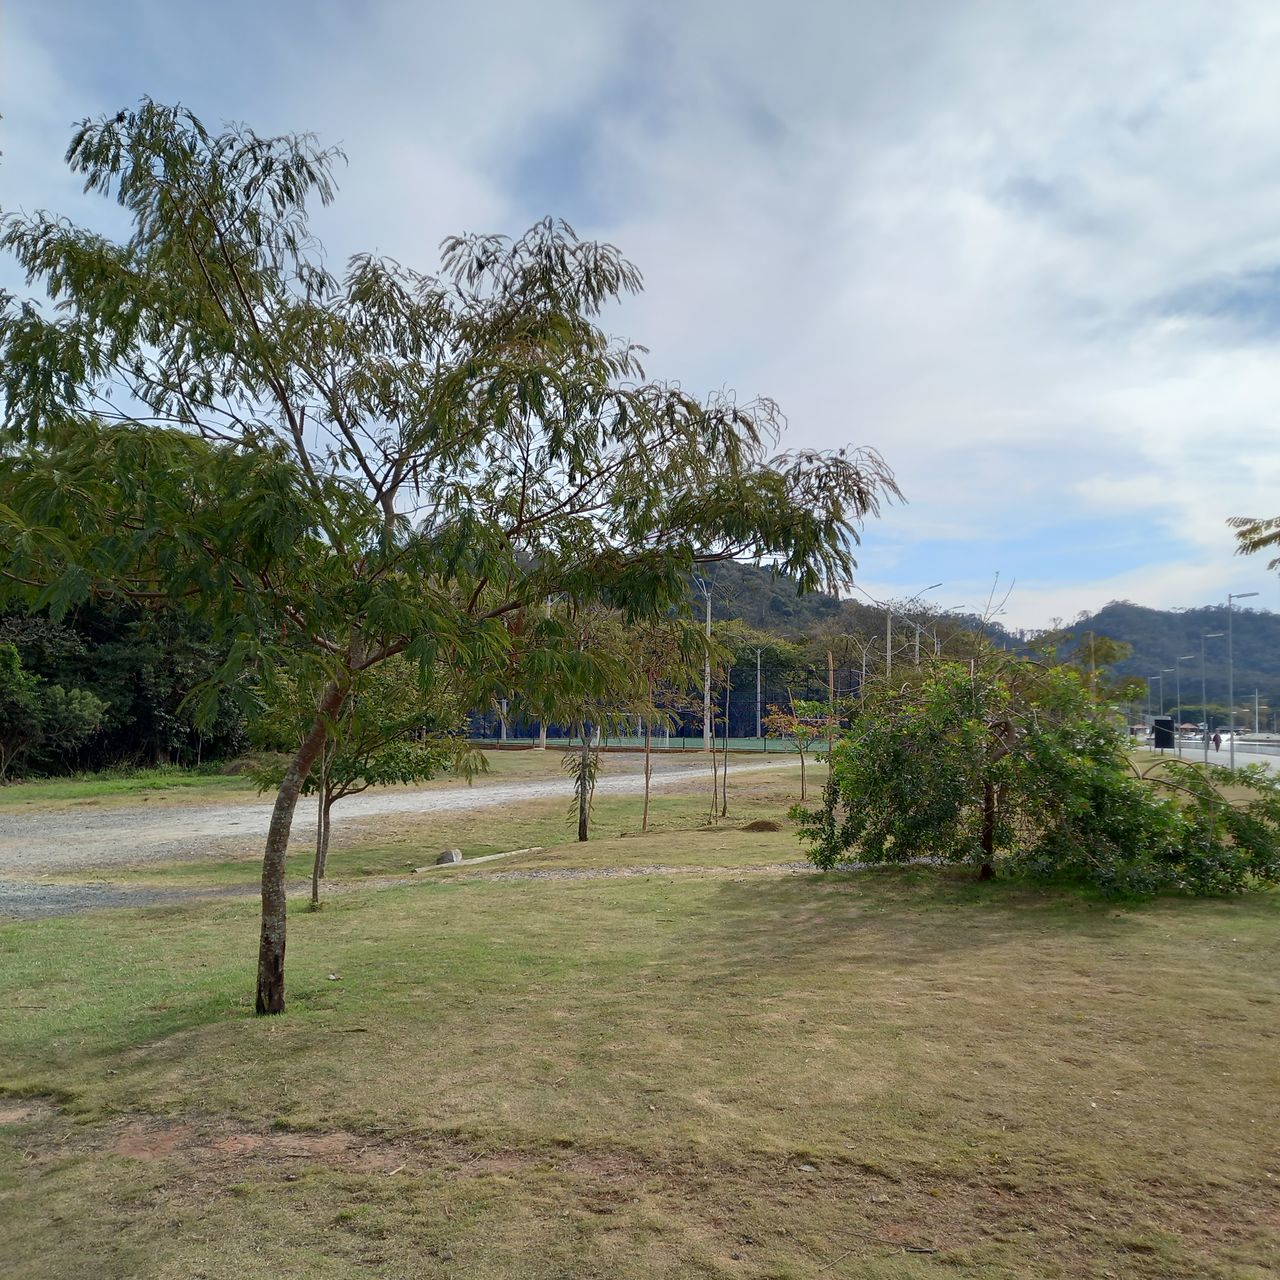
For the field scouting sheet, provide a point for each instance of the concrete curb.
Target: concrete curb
(471, 862)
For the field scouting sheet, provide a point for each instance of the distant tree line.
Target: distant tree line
(124, 675)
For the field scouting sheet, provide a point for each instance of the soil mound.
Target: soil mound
(763, 824)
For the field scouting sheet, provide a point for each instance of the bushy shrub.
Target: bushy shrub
(1011, 765)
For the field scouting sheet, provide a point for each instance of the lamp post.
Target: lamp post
(1177, 716)
(758, 730)
(1204, 706)
(1231, 674)
(888, 629)
(705, 587)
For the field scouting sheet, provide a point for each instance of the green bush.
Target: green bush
(1010, 765)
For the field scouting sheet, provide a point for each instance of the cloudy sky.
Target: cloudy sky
(1028, 250)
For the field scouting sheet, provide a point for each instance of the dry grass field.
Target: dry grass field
(710, 1067)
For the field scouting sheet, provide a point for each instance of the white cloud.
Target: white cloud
(950, 231)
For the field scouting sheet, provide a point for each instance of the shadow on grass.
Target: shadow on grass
(907, 914)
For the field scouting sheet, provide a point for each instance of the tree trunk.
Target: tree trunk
(315, 864)
(988, 871)
(272, 937)
(803, 796)
(324, 848)
(715, 783)
(648, 772)
(584, 787)
(724, 763)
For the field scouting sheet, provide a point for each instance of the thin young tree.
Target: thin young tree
(337, 468)
(668, 653)
(804, 723)
(386, 734)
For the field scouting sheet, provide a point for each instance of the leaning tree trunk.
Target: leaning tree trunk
(272, 937)
(322, 813)
(315, 862)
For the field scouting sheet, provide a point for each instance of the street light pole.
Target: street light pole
(1177, 719)
(1204, 705)
(1231, 674)
(758, 734)
(888, 629)
(705, 587)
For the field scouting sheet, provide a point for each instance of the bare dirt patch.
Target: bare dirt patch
(907, 1211)
(16, 1113)
(151, 1141)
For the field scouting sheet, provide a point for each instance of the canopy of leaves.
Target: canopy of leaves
(37, 718)
(390, 732)
(1014, 762)
(353, 465)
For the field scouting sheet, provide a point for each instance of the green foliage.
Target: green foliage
(143, 664)
(350, 466)
(37, 717)
(389, 732)
(20, 725)
(1011, 764)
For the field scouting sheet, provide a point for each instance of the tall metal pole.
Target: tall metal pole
(1231, 673)
(542, 724)
(758, 733)
(1204, 704)
(1231, 690)
(1177, 721)
(706, 680)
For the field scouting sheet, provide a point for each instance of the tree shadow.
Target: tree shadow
(904, 916)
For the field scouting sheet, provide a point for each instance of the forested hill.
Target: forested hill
(769, 601)
(762, 599)
(1160, 636)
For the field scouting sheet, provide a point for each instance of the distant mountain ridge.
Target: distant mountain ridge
(769, 601)
(1160, 636)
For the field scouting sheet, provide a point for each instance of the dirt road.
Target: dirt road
(74, 840)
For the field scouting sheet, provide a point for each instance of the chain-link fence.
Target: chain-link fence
(739, 711)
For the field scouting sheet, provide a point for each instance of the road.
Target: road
(1193, 753)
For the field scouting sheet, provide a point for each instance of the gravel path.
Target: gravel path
(60, 842)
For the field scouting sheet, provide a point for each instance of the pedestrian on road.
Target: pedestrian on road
(1217, 742)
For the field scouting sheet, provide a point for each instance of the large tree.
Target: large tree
(341, 468)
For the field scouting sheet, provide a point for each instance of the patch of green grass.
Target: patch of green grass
(122, 785)
(171, 782)
(720, 1075)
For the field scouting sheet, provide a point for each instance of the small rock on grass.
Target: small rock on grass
(449, 855)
